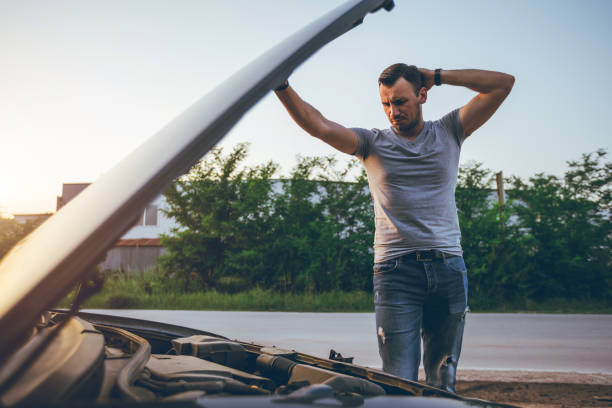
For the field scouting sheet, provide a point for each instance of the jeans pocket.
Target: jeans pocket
(456, 263)
(386, 266)
(459, 300)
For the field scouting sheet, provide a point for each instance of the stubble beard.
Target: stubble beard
(406, 128)
(410, 125)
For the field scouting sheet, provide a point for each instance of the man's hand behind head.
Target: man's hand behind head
(428, 75)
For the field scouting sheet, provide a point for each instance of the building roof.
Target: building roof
(139, 242)
(69, 191)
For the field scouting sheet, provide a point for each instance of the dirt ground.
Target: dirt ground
(531, 389)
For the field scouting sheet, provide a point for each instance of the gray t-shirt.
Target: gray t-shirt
(413, 187)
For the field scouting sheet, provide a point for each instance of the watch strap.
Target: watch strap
(283, 86)
(437, 79)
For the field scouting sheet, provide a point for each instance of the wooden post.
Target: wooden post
(499, 179)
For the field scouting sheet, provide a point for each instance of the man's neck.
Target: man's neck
(411, 133)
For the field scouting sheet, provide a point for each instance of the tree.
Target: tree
(313, 231)
(326, 225)
(557, 234)
(12, 232)
(568, 221)
(224, 213)
(310, 232)
(493, 257)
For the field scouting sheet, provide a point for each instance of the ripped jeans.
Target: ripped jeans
(416, 299)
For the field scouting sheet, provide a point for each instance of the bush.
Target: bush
(231, 284)
(313, 232)
(239, 230)
(120, 302)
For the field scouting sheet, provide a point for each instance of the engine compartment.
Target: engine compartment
(115, 361)
(203, 365)
(103, 363)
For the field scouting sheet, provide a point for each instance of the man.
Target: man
(420, 279)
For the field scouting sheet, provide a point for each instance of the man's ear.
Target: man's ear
(422, 95)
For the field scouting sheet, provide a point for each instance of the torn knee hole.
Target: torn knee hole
(450, 360)
(381, 334)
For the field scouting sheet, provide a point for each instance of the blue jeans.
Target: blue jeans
(416, 299)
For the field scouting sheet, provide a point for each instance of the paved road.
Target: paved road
(581, 343)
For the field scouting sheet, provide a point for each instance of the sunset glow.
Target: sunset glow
(84, 83)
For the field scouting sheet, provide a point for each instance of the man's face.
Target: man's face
(401, 105)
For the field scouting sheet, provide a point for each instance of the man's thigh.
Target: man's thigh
(443, 322)
(452, 283)
(399, 292)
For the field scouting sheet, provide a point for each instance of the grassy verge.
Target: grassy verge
(558, 305)
(254, 299)
(154, 291)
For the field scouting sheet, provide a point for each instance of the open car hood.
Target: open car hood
(43, 267)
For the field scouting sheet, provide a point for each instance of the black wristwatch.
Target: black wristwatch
(437, 79)
(283, 86)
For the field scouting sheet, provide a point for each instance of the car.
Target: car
(52, 357)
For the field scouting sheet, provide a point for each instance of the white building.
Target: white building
(139, 247)
(25, 218)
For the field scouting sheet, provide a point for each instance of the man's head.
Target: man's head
(402, 92)
(396, 71)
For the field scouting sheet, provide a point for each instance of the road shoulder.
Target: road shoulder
(541, 389)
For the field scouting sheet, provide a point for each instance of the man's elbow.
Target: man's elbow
(508, 83)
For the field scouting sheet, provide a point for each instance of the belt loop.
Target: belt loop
(444, 256)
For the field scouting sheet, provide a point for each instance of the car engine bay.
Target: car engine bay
(94, 361)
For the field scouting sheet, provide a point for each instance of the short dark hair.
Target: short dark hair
(396, 71)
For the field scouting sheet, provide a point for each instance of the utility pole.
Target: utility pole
(499, 179)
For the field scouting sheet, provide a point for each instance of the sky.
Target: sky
(83, 83)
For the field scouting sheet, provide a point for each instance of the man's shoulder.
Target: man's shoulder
(373, 134)
(368, 139)
(369, 131)
(446, 118)
(450, 125)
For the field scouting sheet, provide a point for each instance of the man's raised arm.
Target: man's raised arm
(313, 122)
(492, 88)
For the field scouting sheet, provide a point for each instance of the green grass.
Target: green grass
(152, 290)
(254, 299)
(558, 305)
